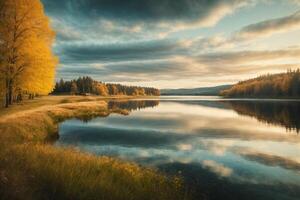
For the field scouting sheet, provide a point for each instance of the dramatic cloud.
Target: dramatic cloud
(141, 70)
(166, 61)
(248, 33)
(242, 57)
(90, 53)
(200, 11)
(135, 19)
(269, 27)
(155, 41)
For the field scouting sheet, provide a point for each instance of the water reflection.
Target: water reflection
(132, 105)
(277, 112)
(223, 149)
(123, 107)
(271, 160)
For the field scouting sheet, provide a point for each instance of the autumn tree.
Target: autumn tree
(27, 63)
(113, 90)
(101, 89)
(276, 85)
(88, 85)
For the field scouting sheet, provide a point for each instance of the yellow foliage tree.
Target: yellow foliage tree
(101, 89)
(27, 63)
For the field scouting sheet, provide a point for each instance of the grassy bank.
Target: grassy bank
(31, 168)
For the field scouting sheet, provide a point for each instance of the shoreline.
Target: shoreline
(34, 169)
(219, 97)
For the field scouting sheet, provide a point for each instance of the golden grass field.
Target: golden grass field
(31, 168)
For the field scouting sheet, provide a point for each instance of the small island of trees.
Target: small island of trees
(88, 86)
(283, 85)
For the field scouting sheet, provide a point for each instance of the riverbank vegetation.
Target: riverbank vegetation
(32, 168)
(86, 85)
(283, 85)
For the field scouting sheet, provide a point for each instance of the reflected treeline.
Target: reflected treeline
(132, 105)
(285, 114)
(120, 107)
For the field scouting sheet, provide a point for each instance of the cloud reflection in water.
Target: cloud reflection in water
(209, 136)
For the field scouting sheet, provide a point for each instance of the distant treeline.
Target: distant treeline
(86, 85)
(276, 85)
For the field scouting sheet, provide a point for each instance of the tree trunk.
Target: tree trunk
(19, 97)
(6, 100)
(6, 93)
(10, 92)
(31, 96)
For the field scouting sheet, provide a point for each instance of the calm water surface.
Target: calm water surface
(224, 149)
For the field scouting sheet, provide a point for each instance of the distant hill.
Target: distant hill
(205, 91)
(283, 85)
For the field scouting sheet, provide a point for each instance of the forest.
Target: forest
(88, 86)
(286, 85)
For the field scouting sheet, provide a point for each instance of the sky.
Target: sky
(174, 43)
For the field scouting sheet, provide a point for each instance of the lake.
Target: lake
(223, 149)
